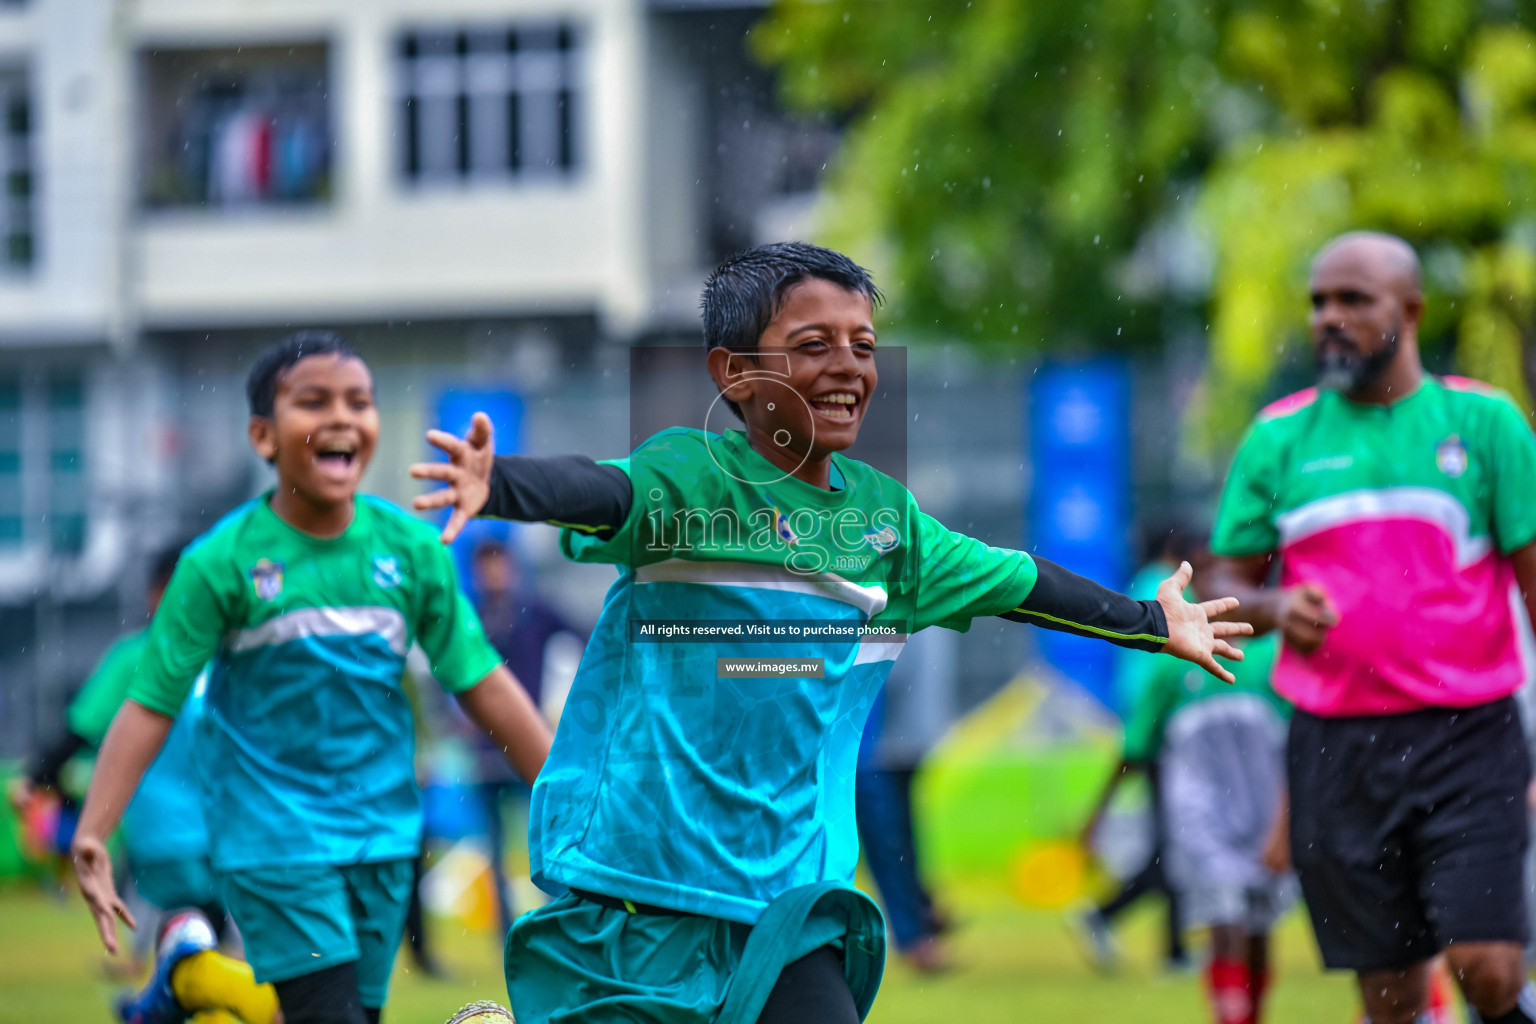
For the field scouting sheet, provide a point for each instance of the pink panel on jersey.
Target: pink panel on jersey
(1452, 382)
(1290, 403)
(1415, 628)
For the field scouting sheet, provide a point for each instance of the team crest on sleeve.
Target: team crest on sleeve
(1451, 456)
(268, 577)
(386, 571)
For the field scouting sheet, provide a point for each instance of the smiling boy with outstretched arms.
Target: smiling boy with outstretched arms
(304, 602)
(697, 820)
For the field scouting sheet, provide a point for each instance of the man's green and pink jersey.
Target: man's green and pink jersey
(1405, 515)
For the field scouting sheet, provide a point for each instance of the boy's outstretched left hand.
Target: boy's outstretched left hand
(1191, 633)
(467, 474)
(93, 868)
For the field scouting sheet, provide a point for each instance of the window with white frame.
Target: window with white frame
(43, 497)
(16, 181)
(489, 104)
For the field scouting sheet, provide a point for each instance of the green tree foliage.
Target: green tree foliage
(1050, 173)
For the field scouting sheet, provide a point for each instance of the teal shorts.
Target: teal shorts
(574, 961)
(171, 884)
(301, 918)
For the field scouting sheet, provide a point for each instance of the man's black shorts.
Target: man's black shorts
(1409, 831)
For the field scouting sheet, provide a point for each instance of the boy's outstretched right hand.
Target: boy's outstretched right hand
(1192, 635)
(467, 474)
(93, 868)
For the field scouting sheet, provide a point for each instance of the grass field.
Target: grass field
(1013, 965)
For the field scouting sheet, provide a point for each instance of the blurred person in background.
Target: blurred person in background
(165, 836)
(164, 833)
(428, 717)
(305, 600)
(1171, 544)
(519, 624)
(907, 718)
(1402, 510)
(1222, 753)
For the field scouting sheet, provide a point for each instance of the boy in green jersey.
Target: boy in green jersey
(696, 819)
(163, 831)
(1221, 751)
(304, 603)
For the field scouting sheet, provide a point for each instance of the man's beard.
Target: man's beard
(1344, 368)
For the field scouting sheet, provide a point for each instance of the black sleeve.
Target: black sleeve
(564, 490)
(45, 767)
(1075, 604)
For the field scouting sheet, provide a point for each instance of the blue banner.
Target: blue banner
(1079, 505)
(453, 410)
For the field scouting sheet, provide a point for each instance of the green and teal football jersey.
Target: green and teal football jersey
(306, 743)
(675, 783)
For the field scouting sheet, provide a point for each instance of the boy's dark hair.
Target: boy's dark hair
(163, 565)
(1176, 538)
(490, 549)
(746, 292)
(277, 359)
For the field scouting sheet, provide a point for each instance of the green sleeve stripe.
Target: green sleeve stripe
(579, 527)
(1108, 633)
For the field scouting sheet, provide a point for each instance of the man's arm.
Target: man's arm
(133, 741)
(1302, 613)
(566, 490)
(1524, 560)
(501, 708)
(1276, 855)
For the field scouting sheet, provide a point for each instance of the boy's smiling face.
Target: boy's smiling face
(827, 333)
(323, 429)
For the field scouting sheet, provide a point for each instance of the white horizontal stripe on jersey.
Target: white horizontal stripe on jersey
(1425, 504)
(366, 620)
(873, 651)
(868, 599)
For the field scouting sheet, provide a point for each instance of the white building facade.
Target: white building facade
(491, 194)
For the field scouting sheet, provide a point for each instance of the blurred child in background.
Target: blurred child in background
(164, 834)
(1222, 748)
(1169, 545)
(306, 601)
(519, 624)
